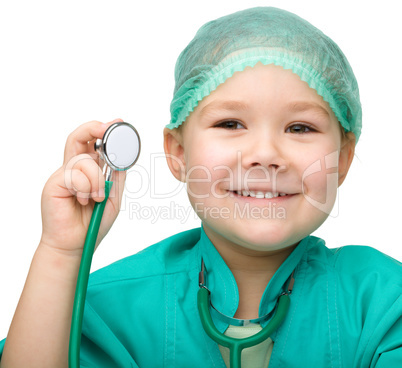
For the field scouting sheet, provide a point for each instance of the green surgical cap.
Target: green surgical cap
(270, 36)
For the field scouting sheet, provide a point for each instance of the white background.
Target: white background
(65, 63)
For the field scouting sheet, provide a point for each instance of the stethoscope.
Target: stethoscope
(235, 345)
(120, 148)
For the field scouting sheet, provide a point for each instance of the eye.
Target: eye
(300, 129)
(230, 125)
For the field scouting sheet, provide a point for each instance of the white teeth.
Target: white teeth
(259, 194)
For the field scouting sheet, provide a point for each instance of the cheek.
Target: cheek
(320, 181)
(207, 165)
(209, 157)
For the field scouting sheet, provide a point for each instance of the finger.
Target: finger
(77, 141)
(94, 183)
(80, 186)
(119, 179)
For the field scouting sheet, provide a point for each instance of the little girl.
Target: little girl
(265, 118)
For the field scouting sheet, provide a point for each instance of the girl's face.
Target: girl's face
(262, 133)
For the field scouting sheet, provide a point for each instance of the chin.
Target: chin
(264, 238)
(267, 243)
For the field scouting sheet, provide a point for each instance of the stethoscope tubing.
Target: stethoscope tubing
(82, 280)
(236, 346)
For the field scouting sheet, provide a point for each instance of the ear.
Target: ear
(346, 156)
(174, 151)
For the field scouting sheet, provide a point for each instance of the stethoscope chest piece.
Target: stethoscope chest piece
(120, 146)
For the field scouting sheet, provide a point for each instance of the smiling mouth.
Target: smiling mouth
(259, 194)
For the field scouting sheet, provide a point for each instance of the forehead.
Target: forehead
(263, 87)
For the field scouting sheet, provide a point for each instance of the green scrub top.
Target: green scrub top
(345, 310)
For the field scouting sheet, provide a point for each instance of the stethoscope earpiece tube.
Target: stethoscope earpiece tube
(82, 281)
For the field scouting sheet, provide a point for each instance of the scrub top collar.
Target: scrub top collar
(222, 284)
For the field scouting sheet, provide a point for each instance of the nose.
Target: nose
(265, 149)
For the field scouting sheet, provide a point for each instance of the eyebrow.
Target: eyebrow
(239, 106)
(224, 105)
(302, 106)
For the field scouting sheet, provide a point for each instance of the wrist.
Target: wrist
(57, 264)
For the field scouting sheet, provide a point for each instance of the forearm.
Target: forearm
(39, 332)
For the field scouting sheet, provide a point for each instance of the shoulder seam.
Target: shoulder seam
(137, 278)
